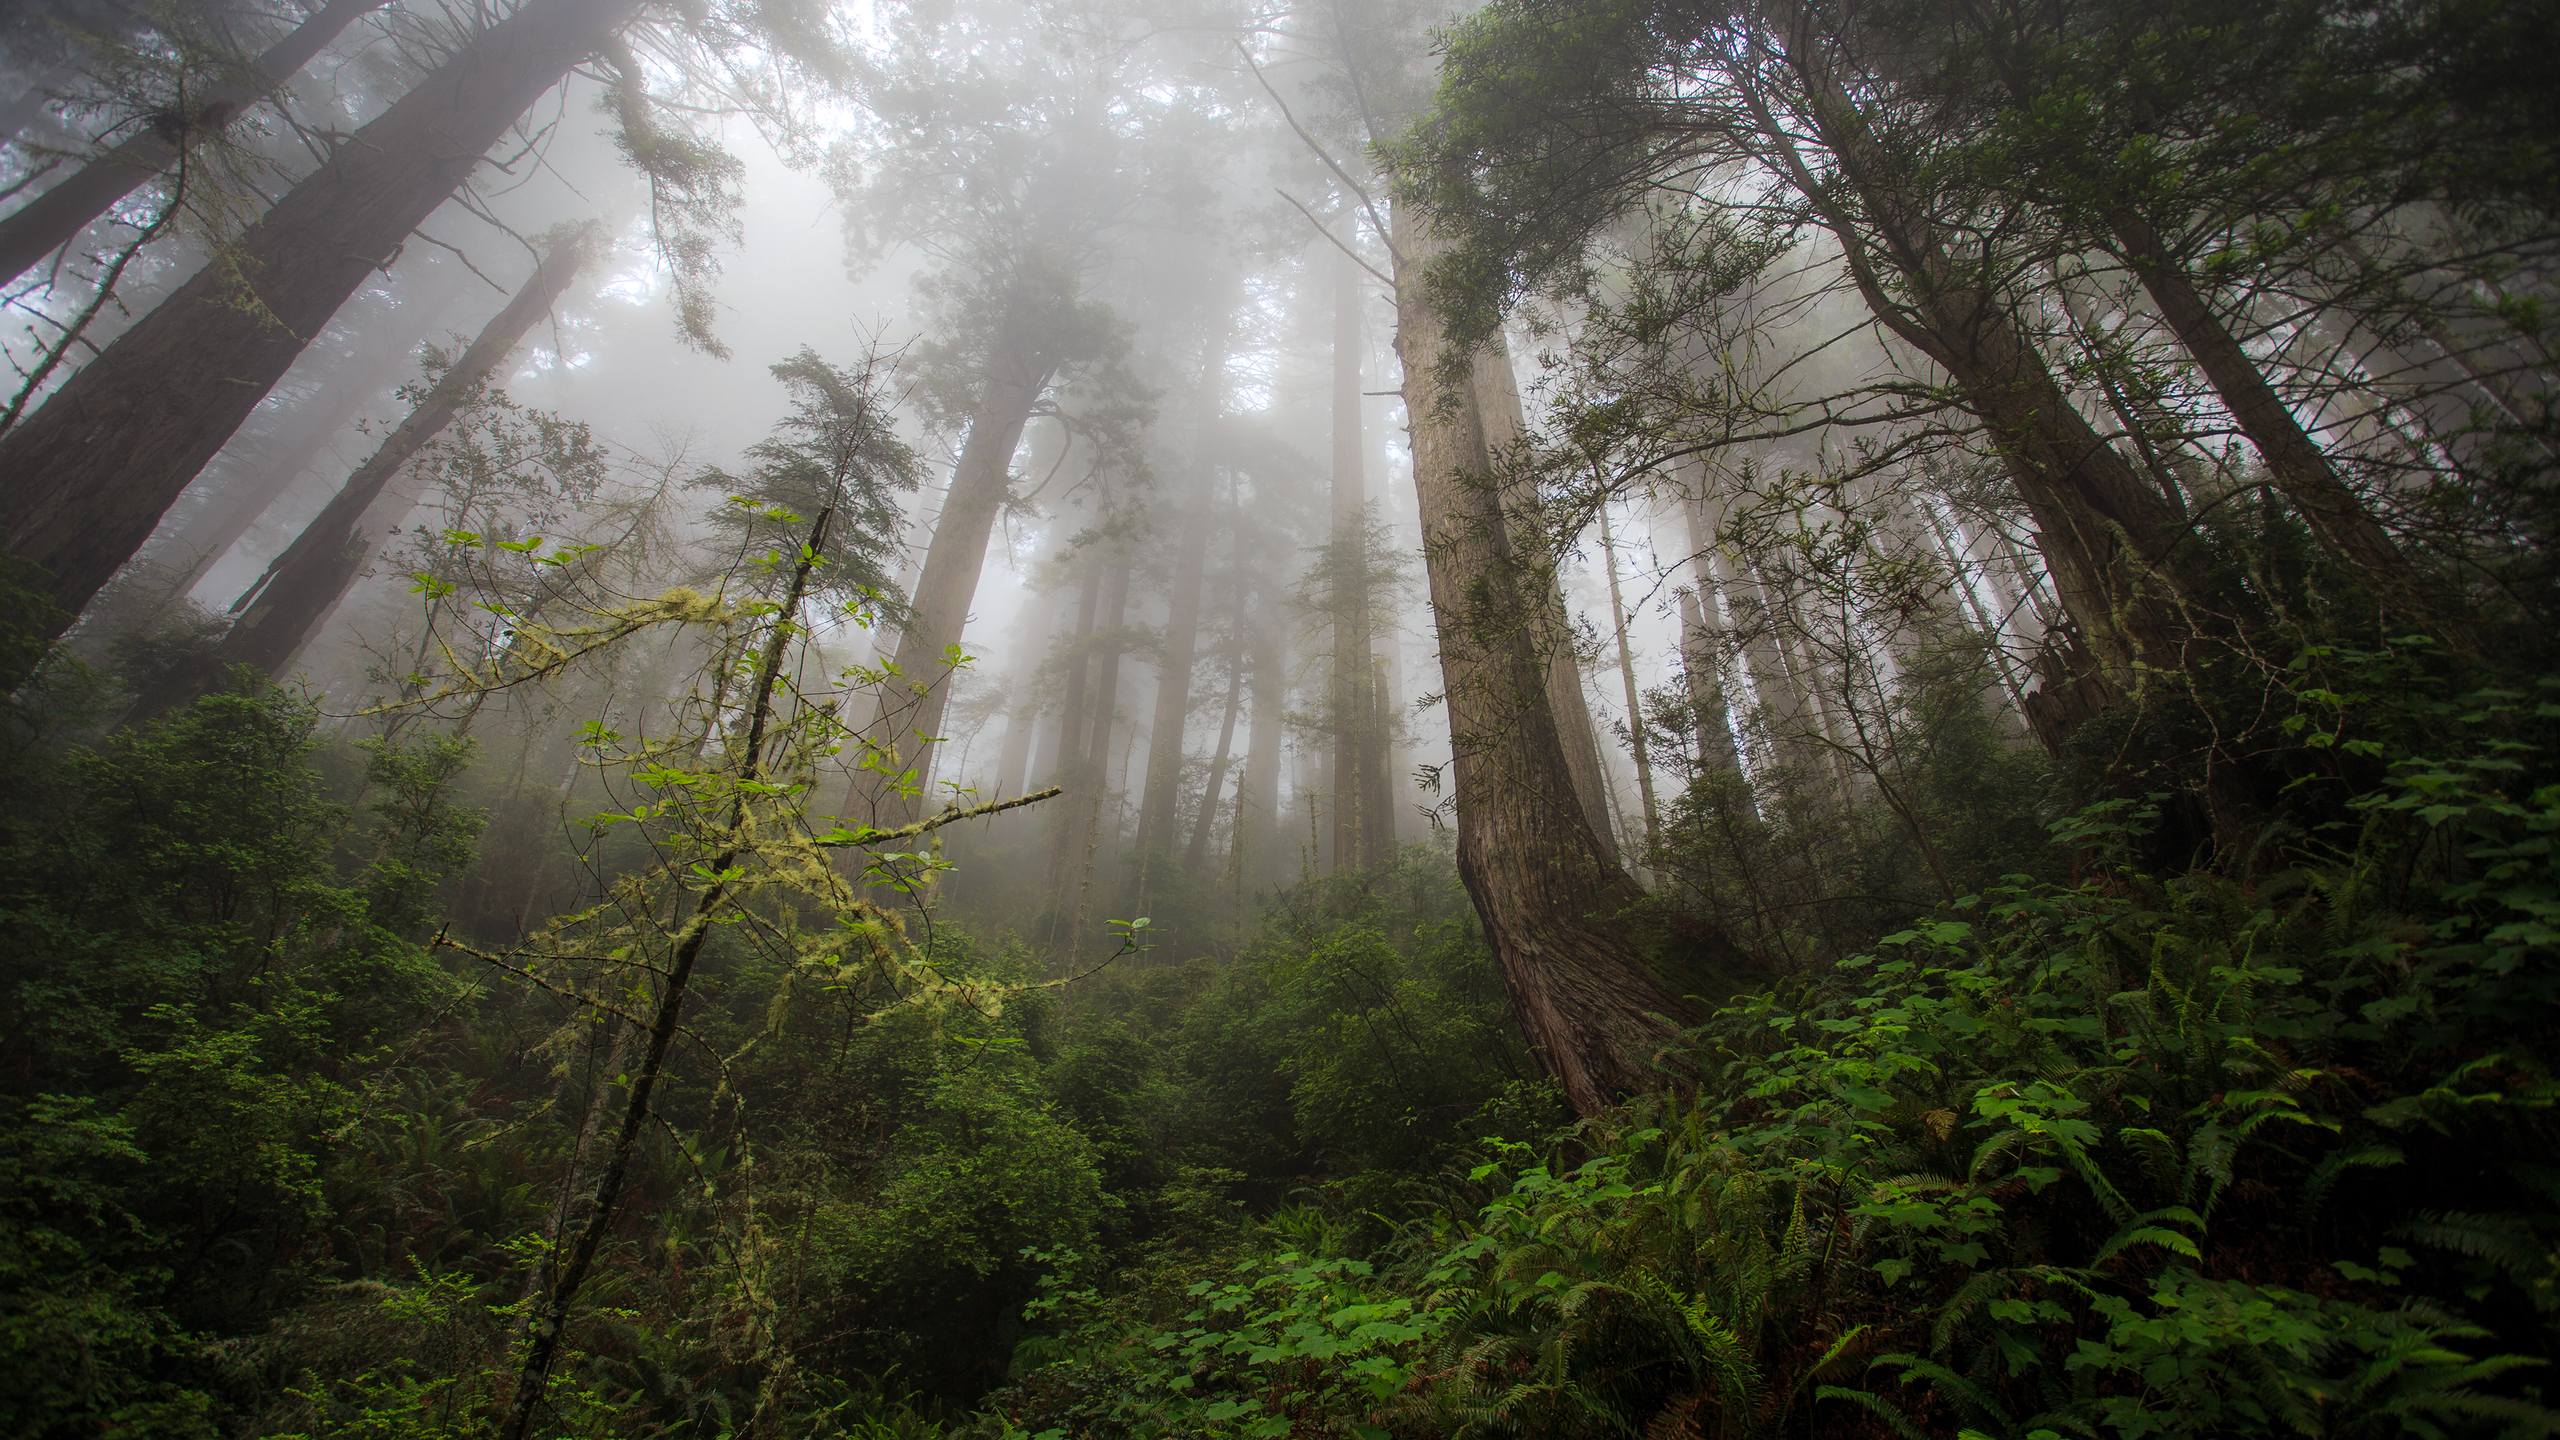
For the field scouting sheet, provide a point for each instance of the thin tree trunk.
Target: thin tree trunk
(685, 949)
(1348, 683)
(1635, 698)
(84, 480)
(284, 607)
(1256, 843)
(56, 217)
(1552, 899)
(2301, 470)
(1162, 797)
(1196, 855)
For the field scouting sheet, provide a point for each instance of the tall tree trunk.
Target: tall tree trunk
(1080, 825)
(230, 513)
(1552, 899)
(1708, 708)
(1702, 619)
(1255, 849)
(2112, 540)
(1162, 797)
(1496, 401)
(1635, 698)
(1196, 854)
(284, 607)
(1354, 745)
(1785, 708)
(913, 705)
(56, 217)
(1024, 716)
(1195, 857)
(2337, 517)
(84, 480)
(1378, 795)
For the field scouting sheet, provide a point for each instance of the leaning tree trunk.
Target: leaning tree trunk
(2337, 518)
(56, 217)
(281, 610)
(1553, 902)
(2111, 541)
(228, 515)
(84, 480)
(916, 698)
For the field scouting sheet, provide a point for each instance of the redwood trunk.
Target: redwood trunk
(56, 217)
(1163, 794)
(84, 480)
(2300, 469)
(1496, 401)
(1552, 900)
(283, 608)
(1255, 846)
(915, 699)
(1354, 746)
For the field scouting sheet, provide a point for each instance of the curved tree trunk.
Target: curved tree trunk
(56, 217)
(1553, 901)
(84, 480)
(1496, 401)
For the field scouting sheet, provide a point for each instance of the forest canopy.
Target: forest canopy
(1383, 719)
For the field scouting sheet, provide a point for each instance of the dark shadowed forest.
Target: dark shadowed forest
(1372, 719)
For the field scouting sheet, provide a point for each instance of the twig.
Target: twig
(869, 836)
(1358, 190)
(1373, 270)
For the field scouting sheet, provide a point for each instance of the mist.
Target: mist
(1363, 717)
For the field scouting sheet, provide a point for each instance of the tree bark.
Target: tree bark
(1497, 406)
(84, 480)
(1635, 698)
(56, 217)
(284, 607)
(1553, 901)
(917, 695)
